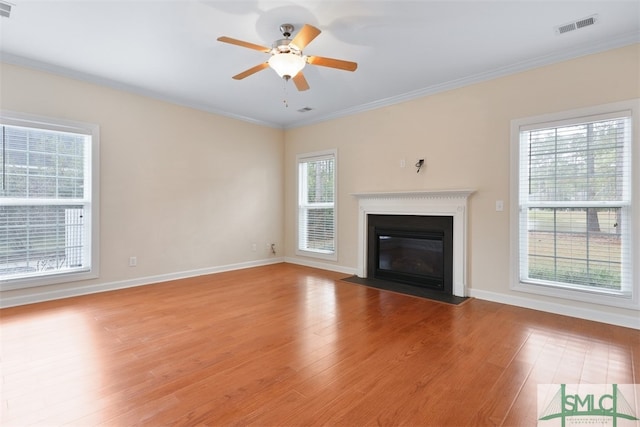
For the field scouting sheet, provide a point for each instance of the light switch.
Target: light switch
(499, 205)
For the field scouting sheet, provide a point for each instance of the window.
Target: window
(574, 215)
(48, 201)
(316, 205)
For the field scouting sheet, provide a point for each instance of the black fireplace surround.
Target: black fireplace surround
(414, 250)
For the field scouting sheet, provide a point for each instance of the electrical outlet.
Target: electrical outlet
(254, 247)
(133, 261)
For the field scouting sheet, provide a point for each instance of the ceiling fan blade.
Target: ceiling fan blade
(300, 82)
(332, 63)
(244, 44)
(251, 71)
(305, 36)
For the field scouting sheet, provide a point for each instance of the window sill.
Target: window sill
(46, 280)
(593, 297)
(327, 256)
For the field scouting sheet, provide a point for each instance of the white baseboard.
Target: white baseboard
(42, 294)
(566, 310)
(321, 265)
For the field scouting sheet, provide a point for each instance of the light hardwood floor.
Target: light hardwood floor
(290, 345)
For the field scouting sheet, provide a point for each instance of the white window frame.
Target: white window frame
(91, 200)
(629, 300)
(300, 206)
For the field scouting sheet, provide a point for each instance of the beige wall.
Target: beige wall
(463, 135)
(182, 190)
(185, 191)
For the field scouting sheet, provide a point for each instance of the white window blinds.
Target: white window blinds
(575, 203)
(45, 202)
(316, 204)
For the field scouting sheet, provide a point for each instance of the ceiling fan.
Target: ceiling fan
(287, 58)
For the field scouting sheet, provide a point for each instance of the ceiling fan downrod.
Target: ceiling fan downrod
(286, 30)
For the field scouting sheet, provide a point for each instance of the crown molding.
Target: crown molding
(583, 50)
(21, 61)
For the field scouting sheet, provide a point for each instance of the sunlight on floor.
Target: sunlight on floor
(52, 363)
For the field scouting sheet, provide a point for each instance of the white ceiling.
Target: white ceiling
(404, 49)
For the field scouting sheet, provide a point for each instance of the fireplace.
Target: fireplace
(411, 249)
(446, 205)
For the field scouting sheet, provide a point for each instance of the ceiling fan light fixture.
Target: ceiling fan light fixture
(287, 65)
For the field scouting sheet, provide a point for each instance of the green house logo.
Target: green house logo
(588, 404)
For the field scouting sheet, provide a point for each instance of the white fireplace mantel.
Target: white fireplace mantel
(432, 203)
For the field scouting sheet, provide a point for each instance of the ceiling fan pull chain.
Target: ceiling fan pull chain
(284, 90)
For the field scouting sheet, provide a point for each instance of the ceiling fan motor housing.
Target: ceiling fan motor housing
(285, 46)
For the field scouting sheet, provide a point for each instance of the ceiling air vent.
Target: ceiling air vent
(566, 28)
(5, 9)
(576, 25)
(586, 22)
(304, 109)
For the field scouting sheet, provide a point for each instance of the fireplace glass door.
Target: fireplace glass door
(414, 250)
(416, 258)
